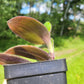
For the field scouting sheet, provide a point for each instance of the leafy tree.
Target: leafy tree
(58, 17)
(9, 9)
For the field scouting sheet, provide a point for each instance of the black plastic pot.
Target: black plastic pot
(47, 72)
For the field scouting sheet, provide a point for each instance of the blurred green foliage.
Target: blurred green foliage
(11, 8)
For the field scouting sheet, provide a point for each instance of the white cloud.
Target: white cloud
(33, 9)
(77, 6)
(24, 5)
(61, 5)
(82, 19)
(82, 6)
(78, 16)
(70, 10)
(42, 8)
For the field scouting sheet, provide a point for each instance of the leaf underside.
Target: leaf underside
(29, 52)
(11, 59)
(29, 29)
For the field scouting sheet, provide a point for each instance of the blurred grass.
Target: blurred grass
(75, 73)
(72, 49)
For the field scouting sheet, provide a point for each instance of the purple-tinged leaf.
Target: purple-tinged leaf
(29, 52)
(29, 29)
(11, 59)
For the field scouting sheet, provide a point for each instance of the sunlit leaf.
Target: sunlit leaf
(11, 59)
(29, 29)
(29, 52)
(48, 26)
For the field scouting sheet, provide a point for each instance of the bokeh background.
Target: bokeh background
(67, 19)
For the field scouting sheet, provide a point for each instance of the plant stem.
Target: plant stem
(51, 50)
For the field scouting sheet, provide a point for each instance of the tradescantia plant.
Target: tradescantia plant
(33, 31)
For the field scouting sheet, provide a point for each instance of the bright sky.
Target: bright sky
(42, 8)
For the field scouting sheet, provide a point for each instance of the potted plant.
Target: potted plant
(21, 71)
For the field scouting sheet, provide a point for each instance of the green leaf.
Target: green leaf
(29, 52)
(48, 26)
(29, 29)
(11, 59)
